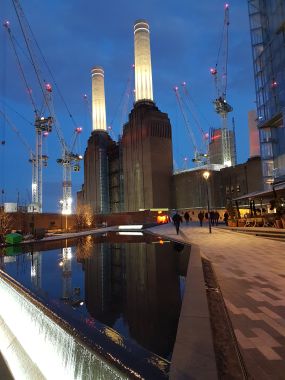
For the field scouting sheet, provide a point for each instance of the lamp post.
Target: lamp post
(206, 176)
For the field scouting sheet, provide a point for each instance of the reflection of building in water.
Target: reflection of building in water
(66, 273)
(138, 283)
(101, 285)
(36, 269)
(153, 295)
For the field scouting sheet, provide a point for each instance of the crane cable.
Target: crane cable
(58, 131)
(3, 130)
(15, 129)
(186, 122)
(123, 101)
(223, 44)
(189, 105)
(22, 73)
(53, 78)
(28, 46)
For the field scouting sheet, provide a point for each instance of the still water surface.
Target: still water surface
(130, 287)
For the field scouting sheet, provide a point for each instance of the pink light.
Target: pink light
(45, 134)
(185, 158)
(213, 71)
(85, 96)
(133, 65)
(109, 127)
(274, 84)
(6, 24)
(183, 84)
(227, 5)
(48, 87)
(78, 129)
(175, 88)
(206, 135)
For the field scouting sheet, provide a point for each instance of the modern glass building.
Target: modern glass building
(267, 24)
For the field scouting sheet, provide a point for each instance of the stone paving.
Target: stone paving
(251, 274)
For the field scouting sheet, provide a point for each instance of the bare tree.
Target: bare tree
(84, 217)
(5, 223)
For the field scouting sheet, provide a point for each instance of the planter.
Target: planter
(283, 221)
(241, 223)
(232, 223)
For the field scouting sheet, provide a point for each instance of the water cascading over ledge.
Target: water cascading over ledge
(37, 345)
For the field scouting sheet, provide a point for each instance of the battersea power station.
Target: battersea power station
(129, 175)
(136, 172)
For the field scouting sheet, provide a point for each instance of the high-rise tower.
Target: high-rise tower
(267, 39)
(146, 141)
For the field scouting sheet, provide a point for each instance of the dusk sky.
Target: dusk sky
(77, 35)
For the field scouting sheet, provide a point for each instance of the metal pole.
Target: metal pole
(208, 204)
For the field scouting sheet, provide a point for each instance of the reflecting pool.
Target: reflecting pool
(114, 288)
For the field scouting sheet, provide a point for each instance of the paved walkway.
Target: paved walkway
(251, 274)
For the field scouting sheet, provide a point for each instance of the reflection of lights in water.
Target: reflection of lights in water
(84, 248)
(67, 253)
(116, 337)
(76, 303)
(159, 363)
(33, 271)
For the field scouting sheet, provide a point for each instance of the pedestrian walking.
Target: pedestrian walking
(226, 217)
(201, 218)
(217, 217)
(187, 217)
(177, 220)
(212, 217)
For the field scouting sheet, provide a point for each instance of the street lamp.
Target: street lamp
(206, 176)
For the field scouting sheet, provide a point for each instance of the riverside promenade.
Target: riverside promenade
(251, 274)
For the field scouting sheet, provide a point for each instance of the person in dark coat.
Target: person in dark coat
(186, 217)
(212, 217)
(177, 220)
(217, 217)
(201, 217)
(226, 217)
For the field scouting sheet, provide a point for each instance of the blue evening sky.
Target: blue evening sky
(77, 35)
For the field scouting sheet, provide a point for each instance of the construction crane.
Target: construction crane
(220, 75)
(192, 108)
(32, 155)
(43, 125)
(199, 157)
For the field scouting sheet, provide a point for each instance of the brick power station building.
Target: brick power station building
(136, 173)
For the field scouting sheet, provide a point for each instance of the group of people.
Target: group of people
(213, 216)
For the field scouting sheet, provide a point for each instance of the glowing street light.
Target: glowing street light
(206, 176)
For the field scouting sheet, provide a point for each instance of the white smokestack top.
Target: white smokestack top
(98, 99)
(143, 73)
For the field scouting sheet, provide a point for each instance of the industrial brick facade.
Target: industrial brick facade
(147, 158)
